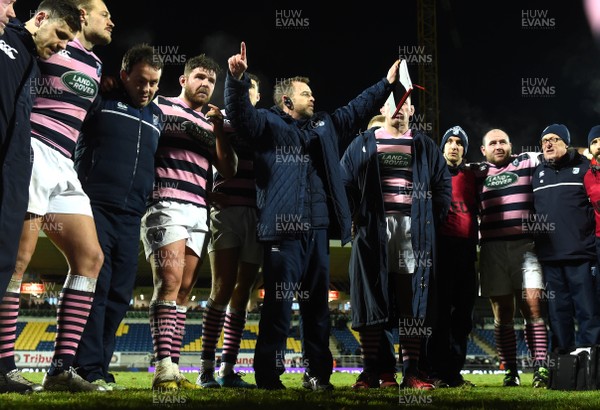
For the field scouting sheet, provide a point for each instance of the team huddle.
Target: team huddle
(99, 163)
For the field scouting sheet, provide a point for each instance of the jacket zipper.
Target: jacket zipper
(137, 157)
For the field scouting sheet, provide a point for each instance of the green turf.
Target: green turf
(487, 395)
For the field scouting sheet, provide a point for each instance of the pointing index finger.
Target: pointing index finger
(243, 50)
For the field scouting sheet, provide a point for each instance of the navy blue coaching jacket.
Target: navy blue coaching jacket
(280, 187)
(18, 72)
(114, 157)
(564, 224)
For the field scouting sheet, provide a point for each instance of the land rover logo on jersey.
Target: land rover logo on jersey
(396, 159)
(80, 83)
(501, 180)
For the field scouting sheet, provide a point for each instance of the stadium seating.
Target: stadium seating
(136, 337)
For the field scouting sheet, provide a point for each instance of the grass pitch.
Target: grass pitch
(489, 394)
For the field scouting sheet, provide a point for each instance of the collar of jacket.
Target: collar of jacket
(26, 37)
(303, 123)
(563, 161)
(455, 169)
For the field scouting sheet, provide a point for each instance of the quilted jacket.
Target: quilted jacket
(279, 141)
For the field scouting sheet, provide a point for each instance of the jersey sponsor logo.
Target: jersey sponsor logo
(8, 50)
(500, 181)
(396, 160)
(81, 84)
(122, 106)
(575, 171)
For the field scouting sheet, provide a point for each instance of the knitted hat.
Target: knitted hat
(456, 131)
(561, 130)
(594, 133)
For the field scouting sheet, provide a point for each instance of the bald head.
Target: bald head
(496, 147)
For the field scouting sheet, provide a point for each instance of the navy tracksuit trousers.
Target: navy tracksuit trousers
(297, 268)
(572, 294)
(119, 237)
(15, 175)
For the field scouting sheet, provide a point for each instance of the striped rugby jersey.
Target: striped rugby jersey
(241, 189)
(182, 163)
(506, 198)
(395, 169)
(66, 92)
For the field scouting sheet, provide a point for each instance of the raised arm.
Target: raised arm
(244, 117)
(349, 118)
(238, 63)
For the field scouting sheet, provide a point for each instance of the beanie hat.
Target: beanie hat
(594, 133)
(456, 131)
(559, 129)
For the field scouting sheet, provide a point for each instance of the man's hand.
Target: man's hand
(215, 116)
(392, 75)
(238, 63)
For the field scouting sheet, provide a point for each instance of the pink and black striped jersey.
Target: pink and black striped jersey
(506, 198)
(395, 170)
(66, 92)
(182, 163)
(241, 189)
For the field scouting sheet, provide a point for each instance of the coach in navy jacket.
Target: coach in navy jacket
(297, 153)
(564, 233)
(114, 159)
(281, 188)
(19, 69)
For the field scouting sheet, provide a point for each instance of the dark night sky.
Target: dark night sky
(485, 54)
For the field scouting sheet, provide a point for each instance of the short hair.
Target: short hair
(483, 140)
(286, 87)
(254, 77)
(65, 10)
(377, 118)
(141, 53)
(85, 4)
(201, 61)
